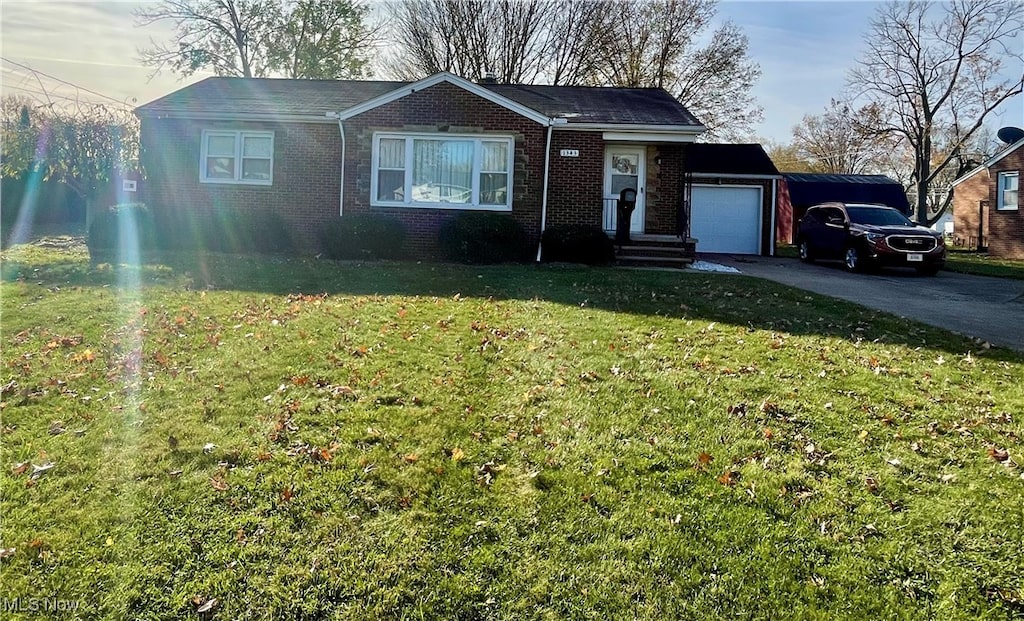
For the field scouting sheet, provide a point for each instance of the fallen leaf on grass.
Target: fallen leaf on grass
(458, 454)
(6, 552)
(872, 484)
(20, 468)
(729, 478)
(218, 484)
(703, 459)
(998, 454)
(207, 606)
(174, 474)
(411, 458)
(208, 448)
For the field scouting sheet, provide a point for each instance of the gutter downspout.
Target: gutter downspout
(341, 185)
(544, 196)
(775, 197)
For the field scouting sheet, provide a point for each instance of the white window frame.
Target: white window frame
(239, 137)
(476, 139)
(1000, 178)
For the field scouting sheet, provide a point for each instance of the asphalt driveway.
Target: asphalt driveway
(991, 309)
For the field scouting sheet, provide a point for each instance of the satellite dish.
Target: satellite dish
(1010, 135)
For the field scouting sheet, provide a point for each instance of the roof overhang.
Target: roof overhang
(991, 161)
(706, 175)
(646, 136)
(234, 116)
(454, 80)
(628, 132)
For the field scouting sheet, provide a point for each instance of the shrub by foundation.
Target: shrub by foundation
(483, 238)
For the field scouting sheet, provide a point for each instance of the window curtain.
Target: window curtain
(442, 171)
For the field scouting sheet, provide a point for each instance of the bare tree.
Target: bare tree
(650, 43)
(471, 38)
(931, 76)
(228, 37)
(576, 35)
(838, 143)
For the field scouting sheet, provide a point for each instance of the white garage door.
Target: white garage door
(726, 219)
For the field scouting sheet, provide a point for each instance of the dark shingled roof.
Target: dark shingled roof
(730, 159)
(599, 104)
(807, 189)
(636, 106)
(269, 96)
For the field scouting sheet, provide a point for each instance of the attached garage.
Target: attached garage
(732, 198)
(726, 219)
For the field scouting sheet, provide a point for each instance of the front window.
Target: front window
(1007, 190)
(449, 172)
(245, 157)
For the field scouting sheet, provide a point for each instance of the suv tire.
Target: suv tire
(853, 260)
(804, 249)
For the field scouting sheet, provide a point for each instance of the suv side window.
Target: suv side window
(834, 214)
(814, 216)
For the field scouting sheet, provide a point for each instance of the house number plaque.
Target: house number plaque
(570, 152)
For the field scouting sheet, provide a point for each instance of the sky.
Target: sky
(804, 50)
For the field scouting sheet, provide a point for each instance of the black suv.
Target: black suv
(866, 236)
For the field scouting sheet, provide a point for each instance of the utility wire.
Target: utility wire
(81, 88)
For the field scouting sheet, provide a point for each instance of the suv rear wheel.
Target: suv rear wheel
(805, 251)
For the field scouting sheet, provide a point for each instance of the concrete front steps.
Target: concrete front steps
(656, 251)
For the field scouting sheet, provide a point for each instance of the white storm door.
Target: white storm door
(624, 167)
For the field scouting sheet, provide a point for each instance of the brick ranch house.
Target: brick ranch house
(314, 151)
(986, 205)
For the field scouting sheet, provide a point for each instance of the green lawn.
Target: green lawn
(315, 440)
(984, 265)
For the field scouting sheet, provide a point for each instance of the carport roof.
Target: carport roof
(806, 189)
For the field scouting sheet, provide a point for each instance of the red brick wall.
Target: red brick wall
(664, 188)
(307, 168)
(966, 198)
(1006, 228)
(445, 108)
(306, 172)
(576, 184)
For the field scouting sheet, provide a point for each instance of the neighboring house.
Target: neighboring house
(986, 205)
(313, 151)
(799, 191)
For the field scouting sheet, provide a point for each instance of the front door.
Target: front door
(624, 168)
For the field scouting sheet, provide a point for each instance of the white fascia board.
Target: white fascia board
(968, 175)
(732, 176)
(224, 116)
(1008, 150)
(646, 136)
(992, 160)
(632, 127)
(455, 80)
